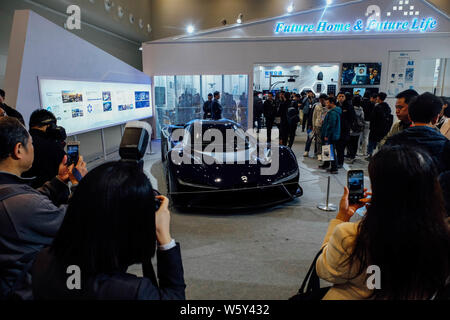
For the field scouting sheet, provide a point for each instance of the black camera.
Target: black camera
(133, 146)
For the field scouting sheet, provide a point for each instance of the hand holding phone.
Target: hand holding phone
(355, 185)
(73, 152)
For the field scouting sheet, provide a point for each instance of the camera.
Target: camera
(133, 146)
(55, 132)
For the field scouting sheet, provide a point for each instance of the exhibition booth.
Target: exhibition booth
(356, 46)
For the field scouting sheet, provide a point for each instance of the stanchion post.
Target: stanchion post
(327, 206)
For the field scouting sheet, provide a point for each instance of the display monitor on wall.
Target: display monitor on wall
(81, 106)
(361, 74)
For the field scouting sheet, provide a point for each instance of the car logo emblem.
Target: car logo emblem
(244, 178)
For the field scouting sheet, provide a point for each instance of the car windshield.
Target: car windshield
(224, 137)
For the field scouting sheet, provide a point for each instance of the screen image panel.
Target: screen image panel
(81, 106)
(361, 74)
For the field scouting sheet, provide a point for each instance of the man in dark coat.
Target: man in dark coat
(379, 127)
(347, 118)
(216, 107)
(270, 111)
(207, 107)
(424, 112)
(29, 218)
(48, 153)
(258, 110)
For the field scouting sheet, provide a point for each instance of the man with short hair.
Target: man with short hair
(308, 102)
(207, 107)
(401, 110)
(368, 103)
(379, 125)
(48, 153)
(331, 131)
(270, 112)
(424, 112)
(258, 110)
(10, 112)
(29, 218)
(216, 107)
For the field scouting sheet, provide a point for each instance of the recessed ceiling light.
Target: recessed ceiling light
(190, 29)
(131, 18)
(290, 8)
(120, 11)
(239, 19)
(329, 2)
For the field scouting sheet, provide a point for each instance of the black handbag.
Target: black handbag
(312, 284)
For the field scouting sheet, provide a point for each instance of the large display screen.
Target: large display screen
(361, 73)
(81, 106)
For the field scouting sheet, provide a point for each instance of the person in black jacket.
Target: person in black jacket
(270, 111)
(347, 117)
(112, 222)
(424, 112)
(207, 107)
(29, 218)
(10, 112)
(379, 127)
(48, 152)
(258, 110)
(216, 107)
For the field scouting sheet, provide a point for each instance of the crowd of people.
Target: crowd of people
(353, 125)
(107, 219)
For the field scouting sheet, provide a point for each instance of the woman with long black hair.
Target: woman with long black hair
(404, 233)
(111, 223)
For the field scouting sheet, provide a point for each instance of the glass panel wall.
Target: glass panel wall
(180, 99)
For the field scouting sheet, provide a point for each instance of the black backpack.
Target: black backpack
(293, 116)
(388, 121)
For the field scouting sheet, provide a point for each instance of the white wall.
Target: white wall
(228, 57)
(39, 48)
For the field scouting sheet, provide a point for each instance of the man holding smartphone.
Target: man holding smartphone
(48, 153)
(30, 218)
(331, 131)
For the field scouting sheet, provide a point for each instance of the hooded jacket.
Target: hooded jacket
(428, 139)
(331, 127)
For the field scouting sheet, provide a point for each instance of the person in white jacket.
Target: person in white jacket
(320, 111)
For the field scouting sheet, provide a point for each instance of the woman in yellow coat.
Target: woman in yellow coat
(401, 248)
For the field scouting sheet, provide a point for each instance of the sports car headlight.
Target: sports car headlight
(286, 179)
(195, 185)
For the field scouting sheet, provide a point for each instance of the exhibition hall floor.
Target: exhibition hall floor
(262, 255)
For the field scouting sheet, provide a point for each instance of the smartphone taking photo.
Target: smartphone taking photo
(355, 184)
(73, 152)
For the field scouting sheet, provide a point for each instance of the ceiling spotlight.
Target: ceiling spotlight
(120, 11)
(131, 18)
(329, 2)
(141, 23)
(140, 48)
(149, 28)
(190, 28)
(224, 22)
(239, 19)
(290, 8)
(108, 5)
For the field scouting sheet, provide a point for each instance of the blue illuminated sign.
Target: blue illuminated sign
(414, 25)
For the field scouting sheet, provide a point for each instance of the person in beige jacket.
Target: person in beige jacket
(404, 234)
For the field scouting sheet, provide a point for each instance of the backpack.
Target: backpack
(293, 116)
(388, 121)
(358, 122)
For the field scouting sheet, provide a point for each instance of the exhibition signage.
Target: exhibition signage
(422, 25)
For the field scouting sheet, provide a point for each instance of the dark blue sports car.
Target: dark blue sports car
(216, 165)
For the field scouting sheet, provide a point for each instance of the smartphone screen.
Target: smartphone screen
(72, 154)
(355, 185)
